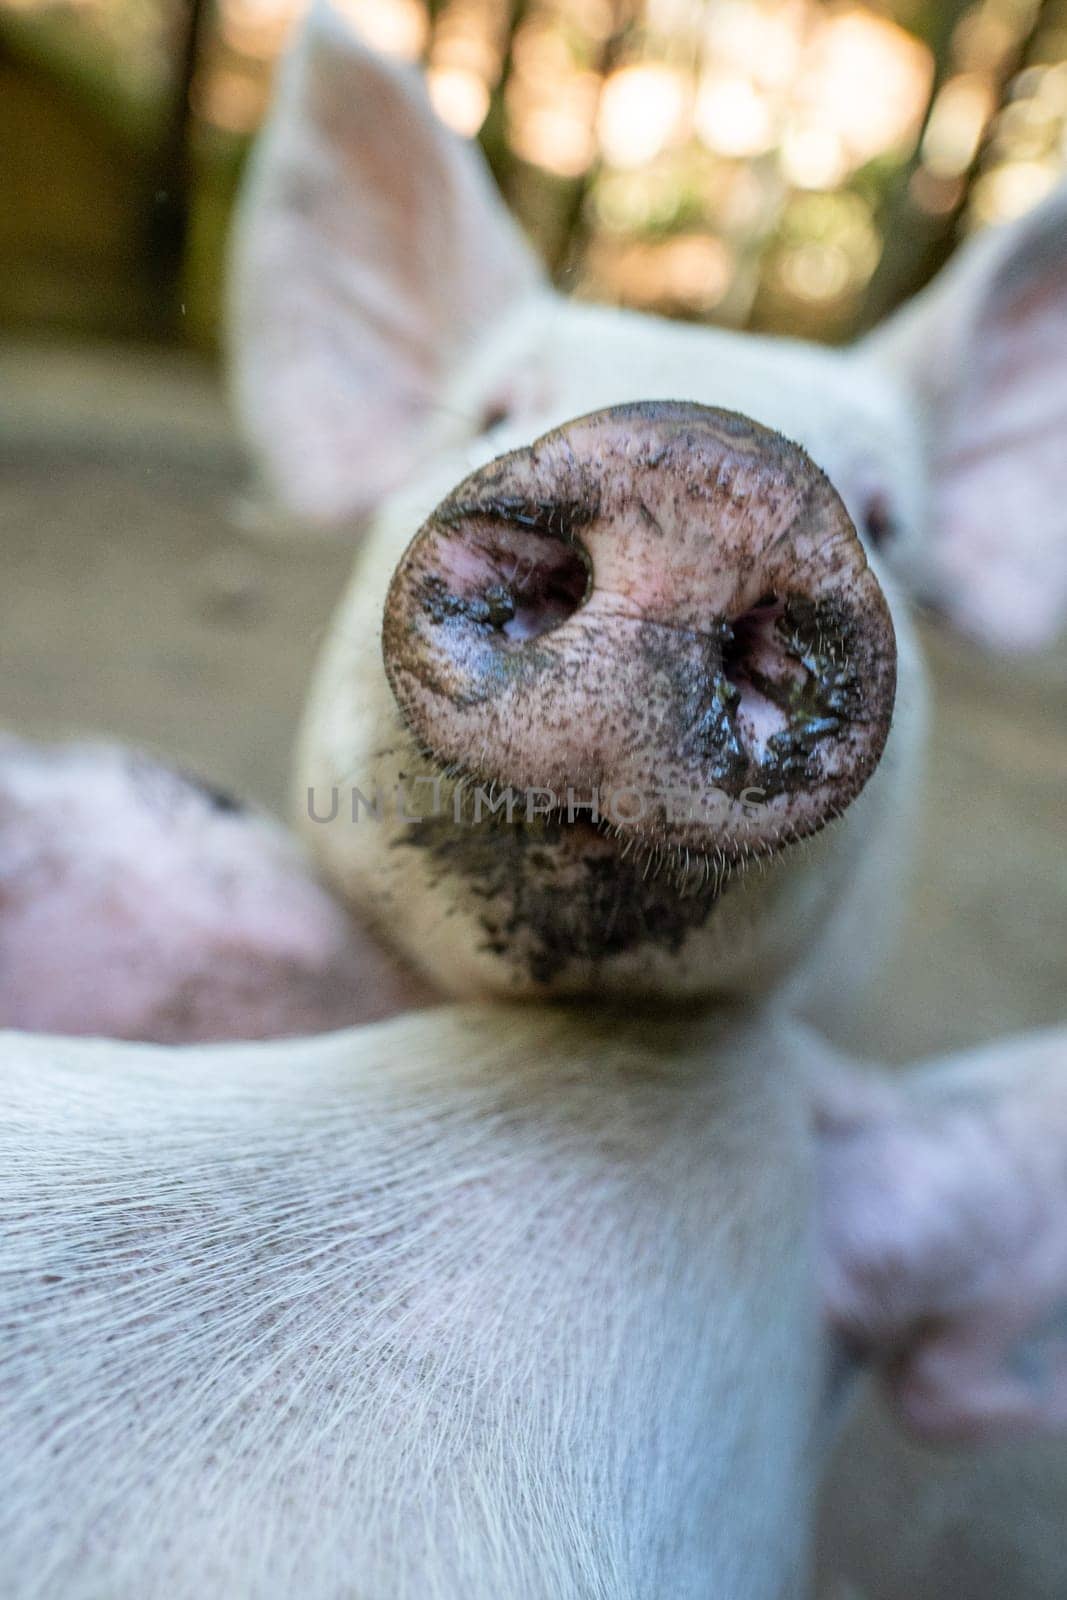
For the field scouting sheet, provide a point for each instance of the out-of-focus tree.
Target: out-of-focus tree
(780, 164)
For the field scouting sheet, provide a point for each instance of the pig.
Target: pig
(551, 1288)
(140, 902)
(380, 295)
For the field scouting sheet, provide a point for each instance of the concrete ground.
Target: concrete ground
(138, 599)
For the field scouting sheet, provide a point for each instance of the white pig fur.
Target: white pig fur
(484, 1301)
(409, 1312)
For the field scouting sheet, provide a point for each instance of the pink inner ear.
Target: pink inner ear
(1003, 551)
(371, 248)
(1002, 473)
(997, 327)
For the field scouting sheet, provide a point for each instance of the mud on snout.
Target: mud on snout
(648, 649)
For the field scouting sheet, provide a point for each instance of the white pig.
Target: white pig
(532, 1300)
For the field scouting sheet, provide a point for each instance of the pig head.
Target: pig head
(597, 574)
(396, 352)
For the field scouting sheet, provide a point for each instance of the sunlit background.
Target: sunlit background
(778, 164)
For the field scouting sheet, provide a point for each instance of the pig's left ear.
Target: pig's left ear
(369, 250)
(984, 350)
(944, 1238)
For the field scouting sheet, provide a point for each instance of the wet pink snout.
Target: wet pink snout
(663, 604)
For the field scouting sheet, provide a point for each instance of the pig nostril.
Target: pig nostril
(548, 586)
(787, 685)
(512, 582)
(749, 641)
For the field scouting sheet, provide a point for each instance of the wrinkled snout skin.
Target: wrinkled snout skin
(653, 601)
(614, 682)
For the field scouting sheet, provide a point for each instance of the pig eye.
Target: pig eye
(496, 412)
(879, 523)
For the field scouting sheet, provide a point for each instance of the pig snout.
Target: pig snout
(660, 614)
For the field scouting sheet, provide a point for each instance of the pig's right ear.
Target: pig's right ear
(983, 352)
(370, 250)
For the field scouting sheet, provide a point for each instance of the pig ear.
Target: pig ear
(944, 1209)
(370, 250)
(984, 350)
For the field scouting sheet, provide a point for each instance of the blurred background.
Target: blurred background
(796, 165)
